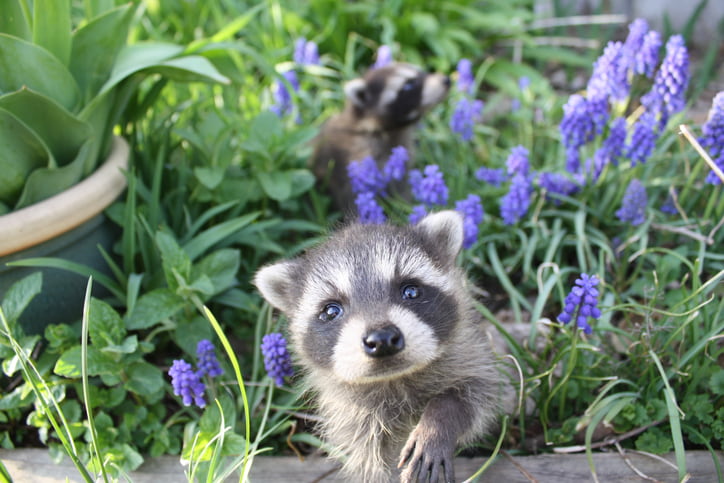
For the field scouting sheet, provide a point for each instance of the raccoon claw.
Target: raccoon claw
(424, 459)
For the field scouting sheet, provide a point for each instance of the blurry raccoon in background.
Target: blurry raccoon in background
(392, 349)
(380, 112)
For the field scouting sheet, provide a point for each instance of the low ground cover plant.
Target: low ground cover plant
(591, 221)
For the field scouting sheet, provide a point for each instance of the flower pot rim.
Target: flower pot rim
(58, 214)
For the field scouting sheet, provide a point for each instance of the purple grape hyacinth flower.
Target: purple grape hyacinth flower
(582, 303)
(277, 361)
(466, 80)
(557, 183)
(668, 94)
(187, 383)
(472, 210)
(383, 57)
(515, 203)
(493, 176)
(283, 102)
(429, 187)
(306, 52)
(643, 139)
(517, 162)
(365, 176)
(369, 211)
(633, 205)
(580, 124)
(713, 136)
(207, 362)
(648, 57)
(395, 166)
(467, 112)
(418, 213)
(637, 30)
(609, 79)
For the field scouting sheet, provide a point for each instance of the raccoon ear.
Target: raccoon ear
(444, 230)
(356, 91)
(276, 284)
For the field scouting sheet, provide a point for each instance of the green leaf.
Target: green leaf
(96, 46)
(280, 185)
(23, 64)
(221, 267)
(302, 181)
(14, 20)
(173, 258)
(191, 68)
(21, 151)
(277, 185)
(716, 382)
(52, 27)
(68, 365)
(145, 380)
(19, 295)
(128, 346)
(206, 239)
(43, 183)
(137, 57)
(153, 307)
(61, 131)
(211, 176)
(105, 326)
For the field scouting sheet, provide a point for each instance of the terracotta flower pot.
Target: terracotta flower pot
(70, 226)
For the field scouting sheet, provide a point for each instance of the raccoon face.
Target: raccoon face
(397, 95)
(373, 303)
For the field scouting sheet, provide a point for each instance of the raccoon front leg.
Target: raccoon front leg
(430, 448)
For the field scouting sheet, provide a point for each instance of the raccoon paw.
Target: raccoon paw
(428, 458)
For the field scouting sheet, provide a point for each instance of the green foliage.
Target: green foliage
(219, 185)
(62, 91)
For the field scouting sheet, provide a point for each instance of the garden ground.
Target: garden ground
(35, 465)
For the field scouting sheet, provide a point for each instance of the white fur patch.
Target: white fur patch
(434, 90)
(352, 364)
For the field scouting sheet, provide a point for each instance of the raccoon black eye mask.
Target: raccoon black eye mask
(391, 348)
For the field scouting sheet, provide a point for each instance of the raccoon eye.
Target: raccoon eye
(331, 312)
(409, 85)
(410, 292)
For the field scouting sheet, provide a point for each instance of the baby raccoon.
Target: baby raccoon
(379, 114)
(384, 328)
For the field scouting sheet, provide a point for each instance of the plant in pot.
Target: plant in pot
(64, 85)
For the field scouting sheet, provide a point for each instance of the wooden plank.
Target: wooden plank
(34, 465)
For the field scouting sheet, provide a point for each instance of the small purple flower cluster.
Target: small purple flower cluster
(584, 118)
(283, 103)
(186, 382)
(472, 210)
(493, 176)
(207, 362)
(383, 57)
(368, 181)
(468, 110)
(633, 206)
(428, 186)
(277, 361)
(713, 136)
(515, 203)
(582, 303)
(306, 52)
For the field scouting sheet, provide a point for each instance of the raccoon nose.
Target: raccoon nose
(383, 342)
(446, 81)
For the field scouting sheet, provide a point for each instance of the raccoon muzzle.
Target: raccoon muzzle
(383, 342)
